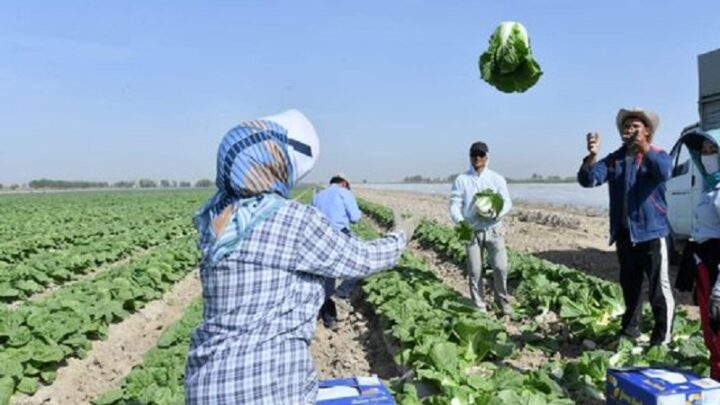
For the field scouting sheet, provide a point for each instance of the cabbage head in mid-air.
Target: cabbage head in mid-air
(488, 204)
(508, 64)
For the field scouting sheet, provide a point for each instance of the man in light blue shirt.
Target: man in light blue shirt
(338, 204)
(487, 230)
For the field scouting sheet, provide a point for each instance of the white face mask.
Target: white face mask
(710, 163)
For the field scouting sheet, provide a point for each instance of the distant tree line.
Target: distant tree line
(81, 184)
(420, 179)
(538, 178)
(65, 184)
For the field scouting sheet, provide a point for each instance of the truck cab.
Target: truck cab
(683, 191)
(686, 182)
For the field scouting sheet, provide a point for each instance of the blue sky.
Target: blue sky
(122, 90)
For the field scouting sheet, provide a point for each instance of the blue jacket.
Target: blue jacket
(647, 208)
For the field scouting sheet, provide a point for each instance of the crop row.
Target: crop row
(18, 281)
(587, 307)
(38, 336)
(36, 223)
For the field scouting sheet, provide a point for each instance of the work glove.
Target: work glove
(405, 223)
(715, 302)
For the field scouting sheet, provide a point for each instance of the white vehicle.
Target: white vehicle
(686, 183)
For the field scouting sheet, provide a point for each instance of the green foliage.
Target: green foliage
(488, 203)
(7, 387)
(508, 63)
(76, 225)
(459, 353)
(588, 307)
(36, 337)
(159, 379)
(464, 232)
(448, 343)
(380, 214)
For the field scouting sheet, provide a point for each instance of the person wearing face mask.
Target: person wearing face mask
(702, 255)
(636, 174)
(265, 259)
(488, 231)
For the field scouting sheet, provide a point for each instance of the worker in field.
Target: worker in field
(702, 255)
(338, 204)
(264, 265)
(636, 174)
(486, 224)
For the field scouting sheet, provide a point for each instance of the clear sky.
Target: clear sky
(128, 89)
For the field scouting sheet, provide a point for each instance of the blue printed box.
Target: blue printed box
(658, 386)
(354, 391)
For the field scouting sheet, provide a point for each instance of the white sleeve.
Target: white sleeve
(456, 201)
(507, 202)
(716, 202)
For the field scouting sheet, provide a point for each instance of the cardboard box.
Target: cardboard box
(658, 386)
(354, 391)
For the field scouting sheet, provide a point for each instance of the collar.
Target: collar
(472, 172)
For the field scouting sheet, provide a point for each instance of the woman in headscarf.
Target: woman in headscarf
(265, 259)
(703, 251)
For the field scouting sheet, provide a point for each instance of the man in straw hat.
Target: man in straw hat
(636, 175)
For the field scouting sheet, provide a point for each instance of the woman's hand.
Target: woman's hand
(406, 223)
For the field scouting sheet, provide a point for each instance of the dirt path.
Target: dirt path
(81, 381)
(354, 348)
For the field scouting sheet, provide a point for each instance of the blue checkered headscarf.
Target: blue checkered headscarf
(254, 174)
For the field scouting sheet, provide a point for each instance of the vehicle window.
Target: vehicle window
(682, 161)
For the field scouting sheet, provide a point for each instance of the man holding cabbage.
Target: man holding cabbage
(636, 174)
(478, 201)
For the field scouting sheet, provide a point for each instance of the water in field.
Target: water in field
(556, 193)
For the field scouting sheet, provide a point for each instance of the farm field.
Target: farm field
(235, 177)
(99, 295)
(86, 281)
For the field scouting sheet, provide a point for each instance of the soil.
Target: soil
(354, 347)
(82, 380)
(576, 237)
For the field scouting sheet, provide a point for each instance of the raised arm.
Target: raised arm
(324, 250)
(591, 172)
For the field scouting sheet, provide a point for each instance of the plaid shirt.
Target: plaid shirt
(261, 304)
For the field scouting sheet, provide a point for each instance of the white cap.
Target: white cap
(303, 143)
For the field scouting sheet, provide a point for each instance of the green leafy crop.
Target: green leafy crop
(508, 63)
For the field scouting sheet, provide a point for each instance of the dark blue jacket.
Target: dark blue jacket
(647, 208)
